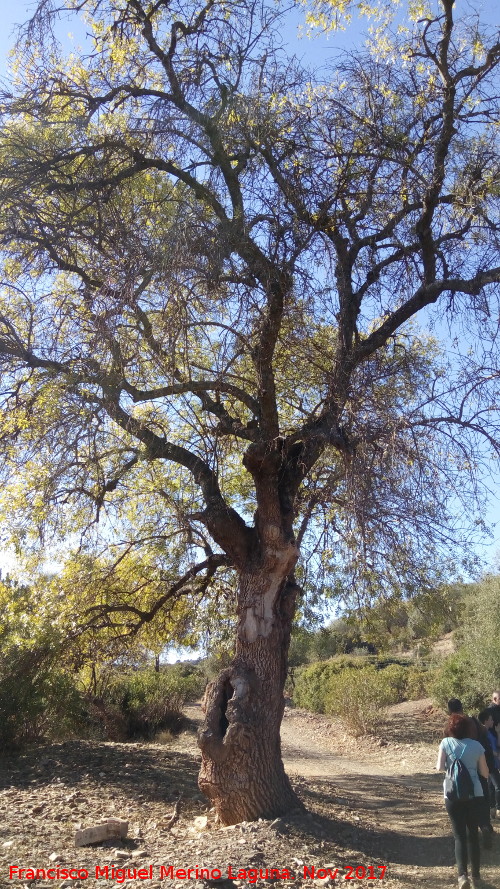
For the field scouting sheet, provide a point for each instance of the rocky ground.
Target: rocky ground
(374, 812)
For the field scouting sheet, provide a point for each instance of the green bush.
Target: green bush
(417, 683)
(37, 699)
(313, 681)
(142, 703)
(397, 679)
(357, 697)
(391, 681)
(454, 678)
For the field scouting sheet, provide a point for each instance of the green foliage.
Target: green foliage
(142, 703)
(357, 697)
(308, 646)
(390, 682)
(473, 671)
(453, 679)
(479, 634)
(398, 623)
(391, 625)
(417, 683)
(312, 682)
(53, 685)
(39, 698)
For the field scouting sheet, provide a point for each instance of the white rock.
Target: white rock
(111, 828)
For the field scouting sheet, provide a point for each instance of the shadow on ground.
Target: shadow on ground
(136, 769)
(397, 819)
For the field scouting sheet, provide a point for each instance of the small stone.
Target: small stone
(139, 853)
(55, 856)
(37, 809)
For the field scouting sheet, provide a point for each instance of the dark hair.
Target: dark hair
(484, 714)
(455, 706)
(458, 726)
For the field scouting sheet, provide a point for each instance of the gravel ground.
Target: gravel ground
(374, 812)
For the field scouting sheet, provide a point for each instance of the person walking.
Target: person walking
(495, 708)
(486, 719)
(464, 813)
(477, 732)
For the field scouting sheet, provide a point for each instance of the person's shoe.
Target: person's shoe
(478, 883)
(487, 841)
(463, 882)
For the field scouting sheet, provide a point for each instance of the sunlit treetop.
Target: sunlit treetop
(212, 262)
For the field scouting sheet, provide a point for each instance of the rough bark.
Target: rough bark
(242, 771)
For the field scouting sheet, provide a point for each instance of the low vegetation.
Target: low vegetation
(356, 689)
(55, 685)
(357, 686)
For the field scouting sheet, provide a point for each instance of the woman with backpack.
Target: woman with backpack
(464, 761)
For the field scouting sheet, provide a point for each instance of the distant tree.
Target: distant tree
(211, 263)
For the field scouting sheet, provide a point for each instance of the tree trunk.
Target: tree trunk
(242, 771)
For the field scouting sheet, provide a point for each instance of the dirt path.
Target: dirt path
(392, 786)
(373, 804)
(386, 786)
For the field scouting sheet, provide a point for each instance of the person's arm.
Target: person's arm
(441, 760)
(482, 767)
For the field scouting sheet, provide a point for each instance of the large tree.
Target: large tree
(211, 263)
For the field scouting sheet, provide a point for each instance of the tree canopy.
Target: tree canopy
(212, 259)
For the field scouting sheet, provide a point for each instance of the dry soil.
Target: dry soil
(375, 813)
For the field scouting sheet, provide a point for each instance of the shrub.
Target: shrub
(313, 681)
(357, 697)
(142, 703)
(391, 682)
(37, 699)
(454, 678)
(417, 683)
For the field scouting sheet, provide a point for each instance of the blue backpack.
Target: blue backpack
(458, 784)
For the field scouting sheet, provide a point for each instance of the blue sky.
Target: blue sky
(318, 52)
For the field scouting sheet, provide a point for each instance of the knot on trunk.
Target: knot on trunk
(227, 720)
